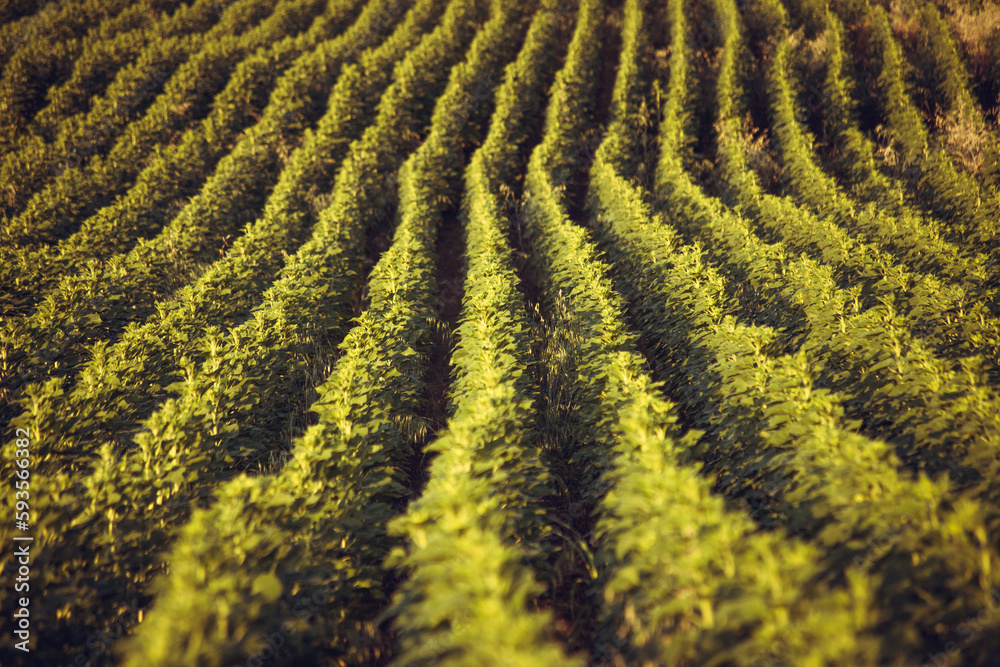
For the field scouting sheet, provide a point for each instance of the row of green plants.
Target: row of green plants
(944, 85)
(122, 383)
(753, 429)
(241, 392)
(951, 324)
(192, 92)
(138, 497)
(779, 441)
(913, 236)
(111, 49)
(352, 470)
(290, 564)
(253, 370)
(311, 73)
(14, 33)
(935, 411)
(174, 172)
(32, 162)
(472, 581)
(900, 388)
(957, 321)
(884, 232)
(38, 64)
(969, 212)
(674, 560)
(98, 302)
(17, 9)
(855, 260)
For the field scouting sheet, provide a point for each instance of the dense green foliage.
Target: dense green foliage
(477, 332)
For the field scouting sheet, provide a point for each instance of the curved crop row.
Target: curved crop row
(226, 409)
(99, 63)
(15, 10)
(97, 303)
(944, 84)
(304, 579)
(375, 388)
(243, 384)
(935, 411)
(479, 519)
(174, 172)
(33, 162)
(955, 321)
(971, 213)
(673, 562)
(108, 148)
(124, 382)
(913, 241)
(49, 59)
(479, 332)
(14, 34)
(349, 472)
(916, 238)
(105, 49)
(778, 441)
(310, 266)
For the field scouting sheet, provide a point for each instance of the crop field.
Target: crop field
(500, 332)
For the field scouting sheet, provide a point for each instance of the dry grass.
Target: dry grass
(977, 32)
(965, 137)
(974, 29)
(760, 156)
(904, 21)
(886, 150)
(962, 134)
(817, 47)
